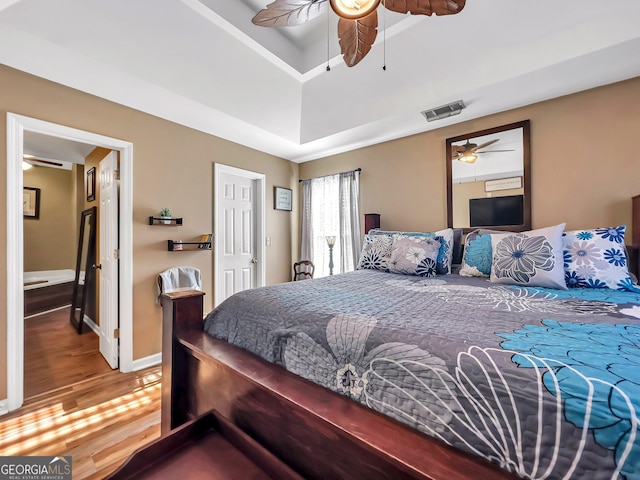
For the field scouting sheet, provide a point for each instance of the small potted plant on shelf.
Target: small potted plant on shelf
(165, 215)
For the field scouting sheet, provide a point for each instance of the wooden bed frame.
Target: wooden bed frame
(318, 433)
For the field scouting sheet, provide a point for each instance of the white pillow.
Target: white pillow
(533, 258)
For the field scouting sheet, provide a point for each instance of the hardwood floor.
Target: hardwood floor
(56, 356)
(76, 405)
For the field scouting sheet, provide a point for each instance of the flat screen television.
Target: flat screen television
(493, 211)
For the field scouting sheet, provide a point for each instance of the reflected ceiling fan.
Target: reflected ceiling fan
(468, 153)
(358, 23)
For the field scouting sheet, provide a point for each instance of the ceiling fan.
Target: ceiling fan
(358, 23)
(468, 153)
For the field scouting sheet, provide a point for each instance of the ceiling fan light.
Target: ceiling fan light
(353, 9)
(469, 158)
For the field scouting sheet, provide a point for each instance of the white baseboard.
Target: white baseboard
(4, 406)
(92, 325)
(146, 362)
(47, 311)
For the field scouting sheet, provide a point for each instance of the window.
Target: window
(330, 209)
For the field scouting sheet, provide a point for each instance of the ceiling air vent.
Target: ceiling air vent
(444, 111)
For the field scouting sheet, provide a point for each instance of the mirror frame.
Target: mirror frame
(526, 151)
(86, 252)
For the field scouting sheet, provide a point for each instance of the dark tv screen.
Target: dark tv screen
(492, 211)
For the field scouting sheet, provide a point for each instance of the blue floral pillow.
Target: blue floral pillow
(414, 255)
(476, 259)
(531, 258)
(445, 255)
(376, 252)
(597, 259)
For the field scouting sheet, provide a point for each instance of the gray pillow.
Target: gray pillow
(414, 255)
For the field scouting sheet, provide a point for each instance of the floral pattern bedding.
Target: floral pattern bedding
(544, 382)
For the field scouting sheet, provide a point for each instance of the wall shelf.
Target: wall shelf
(165, 221)
(178, 246)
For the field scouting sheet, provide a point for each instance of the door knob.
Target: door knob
(97, 266)
(254, 260)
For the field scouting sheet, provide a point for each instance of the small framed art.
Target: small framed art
(91, 184)
(282, 198)
(31, 203)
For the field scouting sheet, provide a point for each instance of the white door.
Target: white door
(108, 258)
(237, 242)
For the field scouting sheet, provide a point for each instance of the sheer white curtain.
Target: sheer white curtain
(330, 208)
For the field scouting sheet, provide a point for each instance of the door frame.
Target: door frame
(261, 268)
(16, 126)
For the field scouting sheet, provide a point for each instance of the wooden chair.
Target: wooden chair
(303, 270)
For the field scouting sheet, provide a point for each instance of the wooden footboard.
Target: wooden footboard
(318, 433)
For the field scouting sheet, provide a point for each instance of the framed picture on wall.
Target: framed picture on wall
(31, 203)
(282, 198)
(91, 184)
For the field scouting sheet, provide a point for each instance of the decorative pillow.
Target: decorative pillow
(445, 237)
(476, 260)
(597, 259)
(445, 255)
(375, 253)
(531, 258)
(414, 255)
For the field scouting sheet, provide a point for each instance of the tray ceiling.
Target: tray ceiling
(203, 64)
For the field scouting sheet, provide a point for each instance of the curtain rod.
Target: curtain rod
(356, 170)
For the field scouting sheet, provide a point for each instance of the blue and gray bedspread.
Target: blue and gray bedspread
(544, 382)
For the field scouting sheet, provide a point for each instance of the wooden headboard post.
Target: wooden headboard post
(181, 311)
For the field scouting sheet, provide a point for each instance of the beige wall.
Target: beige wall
(173, 166)
(50, 241)
(584, 165)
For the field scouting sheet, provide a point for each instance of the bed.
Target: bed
(372, 374)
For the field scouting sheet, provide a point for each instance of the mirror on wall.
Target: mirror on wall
(489, 179)
(85, 268)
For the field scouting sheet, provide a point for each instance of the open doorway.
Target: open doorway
(16, 127)
(62, 213)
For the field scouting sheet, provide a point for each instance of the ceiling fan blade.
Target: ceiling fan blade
(287, 13)
(357, 37)
(425, 7)
(495, 151)
(484, 145)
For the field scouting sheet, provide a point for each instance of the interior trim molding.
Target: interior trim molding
(146, 362)
(16, 126)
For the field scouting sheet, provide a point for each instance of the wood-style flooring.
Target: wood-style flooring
(76, 405)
